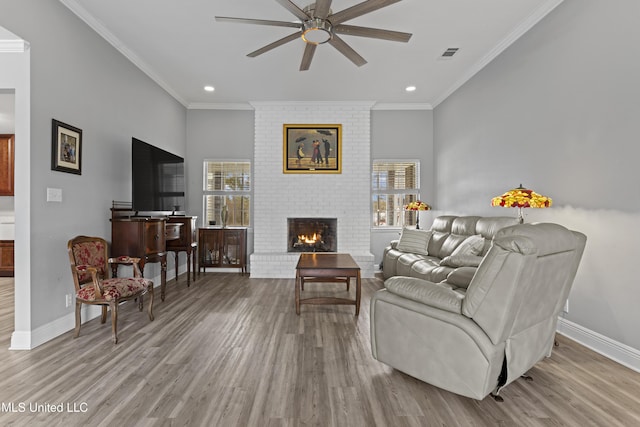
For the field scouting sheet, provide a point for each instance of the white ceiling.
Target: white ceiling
(181, 46)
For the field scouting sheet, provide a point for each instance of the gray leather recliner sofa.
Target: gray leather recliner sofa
(440, 261)
(475, 341)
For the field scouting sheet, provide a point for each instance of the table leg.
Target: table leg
(194, 254)
(298, 281)
(188, 268)
(176, 256)
(348, 282)
(358, 291)
(163, 276)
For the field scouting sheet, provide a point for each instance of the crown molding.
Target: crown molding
(13, 46)
(312, 104)
(382, 106)
(402, 106)
(97, 26)
(220, 106)
(517, 32)
(364, 104)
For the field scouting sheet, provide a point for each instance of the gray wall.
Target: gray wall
(558, 112)
(402, 135)
(78, 78)
(215, 134)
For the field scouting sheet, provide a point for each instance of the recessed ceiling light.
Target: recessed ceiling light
(209, 88)
(410, 88)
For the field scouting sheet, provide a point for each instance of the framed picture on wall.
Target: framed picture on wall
(66, 150)
(312, 148)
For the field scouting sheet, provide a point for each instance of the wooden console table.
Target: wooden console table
(143, 238)
(327, 267)
(223, 248)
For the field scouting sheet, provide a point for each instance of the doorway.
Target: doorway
(7, 223)
(15, 79)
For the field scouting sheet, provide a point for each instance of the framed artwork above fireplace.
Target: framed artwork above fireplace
(312, 148)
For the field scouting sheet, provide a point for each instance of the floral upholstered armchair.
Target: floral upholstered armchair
(89, 268)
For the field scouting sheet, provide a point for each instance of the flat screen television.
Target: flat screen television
(157, 179)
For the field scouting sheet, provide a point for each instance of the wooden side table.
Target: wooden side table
(327, 267)
(222, 247)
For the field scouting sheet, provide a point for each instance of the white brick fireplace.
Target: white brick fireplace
(278, 196)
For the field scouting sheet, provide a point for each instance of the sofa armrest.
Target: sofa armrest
(394, 243)
(461, 277)
(429, 293)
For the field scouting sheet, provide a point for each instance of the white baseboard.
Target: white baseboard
(614, 350)
(27, 340)
(20, 340)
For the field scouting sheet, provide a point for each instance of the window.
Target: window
(394, 185)
(227, 183)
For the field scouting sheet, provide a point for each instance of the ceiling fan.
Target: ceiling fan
(318, 24)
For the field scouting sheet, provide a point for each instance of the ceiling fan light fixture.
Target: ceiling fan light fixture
(317, 31)
(317, 24)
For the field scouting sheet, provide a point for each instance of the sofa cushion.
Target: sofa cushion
(430, 270)
(435, 243)
(404, 263)
(464, 225)
(443, 223)
(450, 244)
(422, 267)
(456, 261)
(425, 292)
(472, 245)
(414, 241)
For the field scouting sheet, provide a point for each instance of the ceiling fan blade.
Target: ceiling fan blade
(309, 50)
(347, 51)
(258, 22)
(374, 33)
(291, 7)
(359, 10)
(322, 8)
(273, 45)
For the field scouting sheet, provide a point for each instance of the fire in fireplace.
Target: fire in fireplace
(312, 234)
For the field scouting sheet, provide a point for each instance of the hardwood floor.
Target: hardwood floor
(230, 351)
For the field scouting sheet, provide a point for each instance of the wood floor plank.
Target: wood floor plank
(230, 351)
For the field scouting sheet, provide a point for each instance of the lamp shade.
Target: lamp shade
(418, 205)
(522, 198)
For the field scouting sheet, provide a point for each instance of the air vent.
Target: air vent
(447, 54)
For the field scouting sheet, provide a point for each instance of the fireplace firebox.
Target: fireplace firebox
(312, 235)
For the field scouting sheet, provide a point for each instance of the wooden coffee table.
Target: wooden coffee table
(327, 268)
